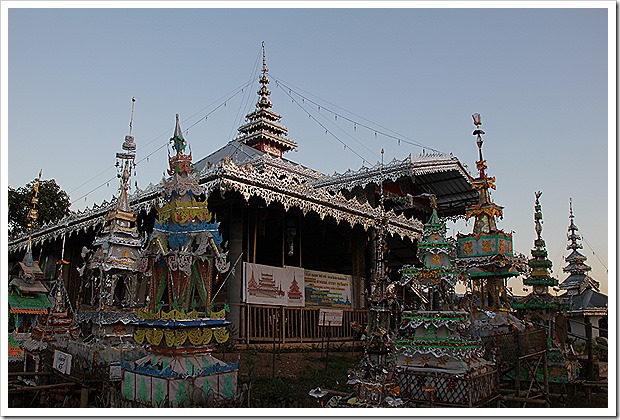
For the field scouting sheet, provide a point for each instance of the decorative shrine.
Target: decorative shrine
(57, 321)
(27, 296)
(546, 311)
(110, 290)
(438, 362)
(487, 256)
(539, 306)
(178, 325)
(55, 325)
(374, 380)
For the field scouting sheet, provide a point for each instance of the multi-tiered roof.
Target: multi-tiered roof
(581, 289)
(263, 130)
(578, 279)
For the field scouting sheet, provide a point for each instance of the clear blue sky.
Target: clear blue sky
(539, 77)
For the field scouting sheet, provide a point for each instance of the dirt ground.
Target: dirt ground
(289, 363)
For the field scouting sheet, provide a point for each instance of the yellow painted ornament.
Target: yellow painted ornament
(180, 337)
(221, 335)
(154, 337)
(195, 336)
(170, 338)
(139, 335)
(206, 336)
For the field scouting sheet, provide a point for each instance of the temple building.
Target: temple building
(276, 218)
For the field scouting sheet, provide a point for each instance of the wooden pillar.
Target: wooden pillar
(590, 374)
(235, 281)
(546, 377)
(84, 397)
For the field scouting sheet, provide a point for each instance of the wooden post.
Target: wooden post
(84, 397)
(518, 378)
(273, 351)
(546, 378)
(329, 327)
(590, 375)
(282, 328)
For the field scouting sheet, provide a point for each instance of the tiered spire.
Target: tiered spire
(433, 283)
(487, 253)
(485, 211)
(576, 267)
(263, 130)
(117, 247)
(32, 217)
(540, 265)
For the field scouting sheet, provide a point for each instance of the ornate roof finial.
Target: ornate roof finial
(265, 69)
(540, 264)
(32, 217)
(481, 164)
(127, 156)
(538, 214)
(180, 162)
(264, 102)
(263, 130)
(33, 214)
(486, 211)
(133, 101)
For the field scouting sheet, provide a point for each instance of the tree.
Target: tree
(53, 205)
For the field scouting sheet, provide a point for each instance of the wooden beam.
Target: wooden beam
(30, 373)
(40, 387)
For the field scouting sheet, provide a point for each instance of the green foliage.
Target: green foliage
(160, 397)
(229, 390)
(206, 387)
(128, 389)
(181, 399)
(53, 205)
(143, 394)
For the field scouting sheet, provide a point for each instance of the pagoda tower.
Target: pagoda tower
(487, 253)
(109, 295)
(263, 130)
(578, 279)
(546, 311)
(27, 293)
(539, 306)
(178, 326)
(27, 297)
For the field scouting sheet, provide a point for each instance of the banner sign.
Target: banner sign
(266, 285)
(62, 362)
(327, 289)
(330, 317)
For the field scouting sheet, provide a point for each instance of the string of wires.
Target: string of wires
(594, 253)
(327, 131)
(222, 101)
(378, 129)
